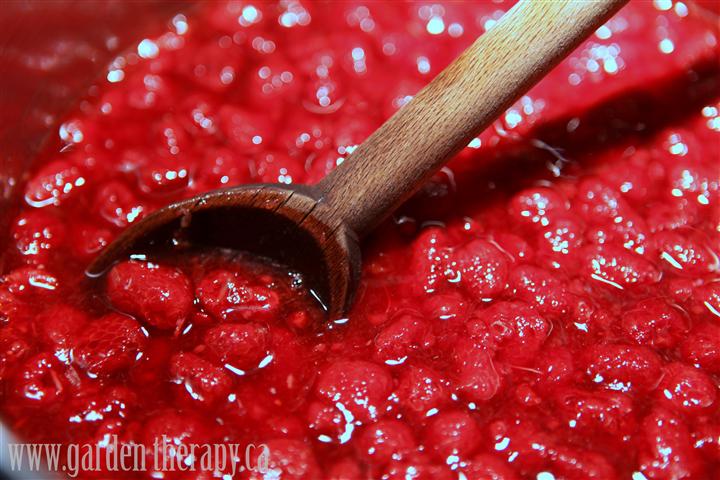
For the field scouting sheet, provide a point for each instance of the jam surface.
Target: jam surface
(548, 306)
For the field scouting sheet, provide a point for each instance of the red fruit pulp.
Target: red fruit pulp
(548, 303)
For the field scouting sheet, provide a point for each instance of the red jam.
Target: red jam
(548, 306)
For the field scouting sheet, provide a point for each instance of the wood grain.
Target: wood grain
(464, 99)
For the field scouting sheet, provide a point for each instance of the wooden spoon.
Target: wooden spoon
(316, 229)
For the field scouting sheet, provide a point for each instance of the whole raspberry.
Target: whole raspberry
(288, 458)
(476, 375)
(109, 344)
(428, 259)
(595, 411)
(37, 234)
(480, 269)
(541, 289)
(40, 381)
(385, 441)
(198, 378)
(654, 323)
(59, 327)
(702, 347)
(665, 449)
(618, 268)
(55, 183)
(536, 207)
(164, 431)
(487, 466)
(14, 347)
(361, 387)
(229, 296)
(685, 253)
(421, 390)
(419, 466)
(623, 367)
(160, 296)
(117, 204)
(687, 389)
(452, 432)
(242, 345)
(518, 331)
(404, 336)
(28, 283)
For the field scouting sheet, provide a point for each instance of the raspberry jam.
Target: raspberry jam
(548, 306)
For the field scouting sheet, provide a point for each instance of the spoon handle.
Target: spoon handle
(465, 98)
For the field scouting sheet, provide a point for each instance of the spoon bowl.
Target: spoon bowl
(285, 223)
